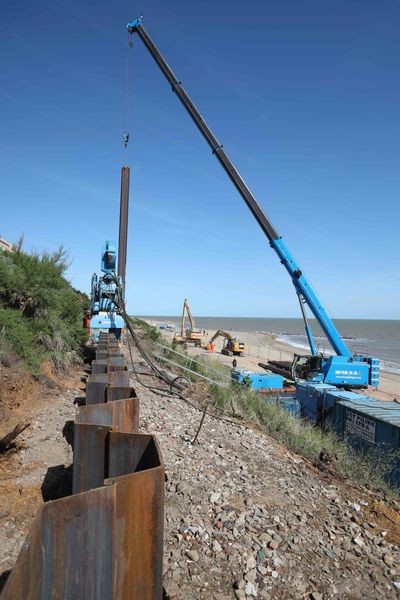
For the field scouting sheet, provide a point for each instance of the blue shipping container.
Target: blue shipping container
(372, 425)
(292, 406)
(259, 381)
(318, 402)
(314, 402)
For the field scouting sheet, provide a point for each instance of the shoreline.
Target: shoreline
(383, 366)
(262, 346)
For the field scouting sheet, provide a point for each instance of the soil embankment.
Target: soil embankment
(246, 518)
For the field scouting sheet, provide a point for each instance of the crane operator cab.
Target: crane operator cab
(307, 367)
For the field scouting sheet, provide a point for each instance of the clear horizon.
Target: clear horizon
(242, 317)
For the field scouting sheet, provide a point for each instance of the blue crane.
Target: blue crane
(342, 369)
(105, 290)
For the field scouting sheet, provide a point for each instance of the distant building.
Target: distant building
(4, 245)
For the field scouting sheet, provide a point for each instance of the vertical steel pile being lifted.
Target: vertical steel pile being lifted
(123, 224)
(106, 540)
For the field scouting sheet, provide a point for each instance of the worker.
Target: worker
(86, 320)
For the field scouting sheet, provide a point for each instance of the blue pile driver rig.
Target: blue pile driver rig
(106, 296)
(108, 290)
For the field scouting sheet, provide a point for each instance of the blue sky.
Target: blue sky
(305, 97)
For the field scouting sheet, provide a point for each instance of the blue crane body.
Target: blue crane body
(105, 315)
(342, 369)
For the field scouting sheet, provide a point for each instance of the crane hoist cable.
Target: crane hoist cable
(116, 299)
(159, 373)
(128, 93)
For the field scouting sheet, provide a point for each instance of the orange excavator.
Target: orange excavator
(190, 335)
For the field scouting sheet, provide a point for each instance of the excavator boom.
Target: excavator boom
(231, 346)
(189, 312)
(222, 334)
(191, 334)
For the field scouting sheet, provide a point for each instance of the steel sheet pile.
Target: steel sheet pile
(106, 539)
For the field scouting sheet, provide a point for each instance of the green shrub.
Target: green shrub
(40, 313)
(17, 334)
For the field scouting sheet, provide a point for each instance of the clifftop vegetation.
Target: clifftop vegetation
(40, 312)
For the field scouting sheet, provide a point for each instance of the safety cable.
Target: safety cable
(156, 370)
(159, 373)
(145, 385)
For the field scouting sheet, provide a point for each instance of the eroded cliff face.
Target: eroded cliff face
(36, 466)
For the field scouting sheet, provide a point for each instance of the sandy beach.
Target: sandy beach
(263, 346)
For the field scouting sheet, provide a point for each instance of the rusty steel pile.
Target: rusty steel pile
(106, 539)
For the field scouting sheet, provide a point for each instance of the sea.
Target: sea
(377, 338)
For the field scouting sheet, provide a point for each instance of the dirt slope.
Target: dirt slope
(38, 468)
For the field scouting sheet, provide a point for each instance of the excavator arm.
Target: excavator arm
(188, 335)
(183, 319)
(231, 346)
(220, 333)
(189, 312)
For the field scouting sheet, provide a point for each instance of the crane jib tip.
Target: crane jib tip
(133, 24)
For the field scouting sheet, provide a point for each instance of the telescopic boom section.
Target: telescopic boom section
(221, 333)
(299, 281)
(214, 144)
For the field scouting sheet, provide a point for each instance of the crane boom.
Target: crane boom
(339, 374)
(300, 282)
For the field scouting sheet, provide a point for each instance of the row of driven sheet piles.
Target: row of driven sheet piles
(105, 541)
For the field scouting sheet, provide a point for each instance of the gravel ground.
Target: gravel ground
(245, 518)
